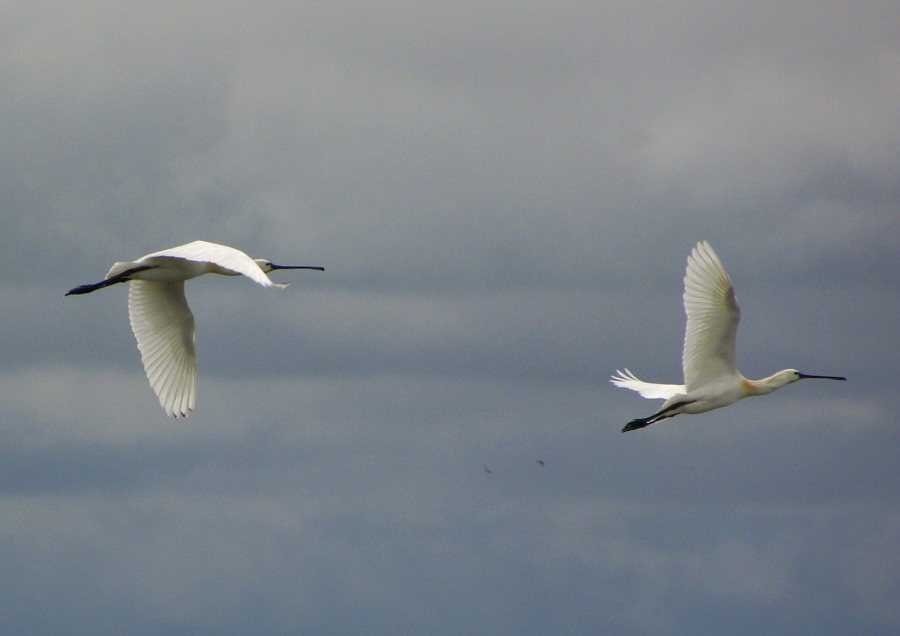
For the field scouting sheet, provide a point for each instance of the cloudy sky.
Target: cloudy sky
(503, 195)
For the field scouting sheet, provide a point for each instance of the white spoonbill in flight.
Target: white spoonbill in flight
(160, 317)
(711, 379)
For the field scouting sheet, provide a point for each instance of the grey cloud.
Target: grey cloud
(503, 197)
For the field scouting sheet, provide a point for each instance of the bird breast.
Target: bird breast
(715, 396)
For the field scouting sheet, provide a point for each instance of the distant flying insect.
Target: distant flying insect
(160, 317)
(711, 378)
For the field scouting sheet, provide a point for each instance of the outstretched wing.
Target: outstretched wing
(627, 380)
(712, 320)
(221, 256)
(164, 327)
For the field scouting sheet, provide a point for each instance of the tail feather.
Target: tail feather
(649, 390)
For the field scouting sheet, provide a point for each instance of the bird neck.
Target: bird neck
(771, 383)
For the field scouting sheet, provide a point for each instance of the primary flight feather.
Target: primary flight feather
(160, 317)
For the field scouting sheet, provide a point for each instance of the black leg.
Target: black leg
(633, 425)
(641, 422)
(87, 289)
(119, 278)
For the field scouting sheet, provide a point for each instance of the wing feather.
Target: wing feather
(222, 256)
(712, 320)
(164, 327)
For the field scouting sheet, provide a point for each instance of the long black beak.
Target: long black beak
(803, 376)
(274, 267)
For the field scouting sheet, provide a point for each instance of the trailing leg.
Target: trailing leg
(669, 411)
(118, 278)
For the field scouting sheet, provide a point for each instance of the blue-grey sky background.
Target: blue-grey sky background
(504, 195)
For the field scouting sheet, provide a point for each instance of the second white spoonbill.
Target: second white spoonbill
(711, 378)
(160, 317)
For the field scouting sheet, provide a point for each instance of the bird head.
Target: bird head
(785, 377)
(789, 376)
(268, 266)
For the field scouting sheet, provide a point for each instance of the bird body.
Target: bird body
(195, 259)
(711, 378)
(161, 319)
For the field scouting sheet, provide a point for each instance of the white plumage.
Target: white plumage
(163, 324)
(711, 377)
(160, 317)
